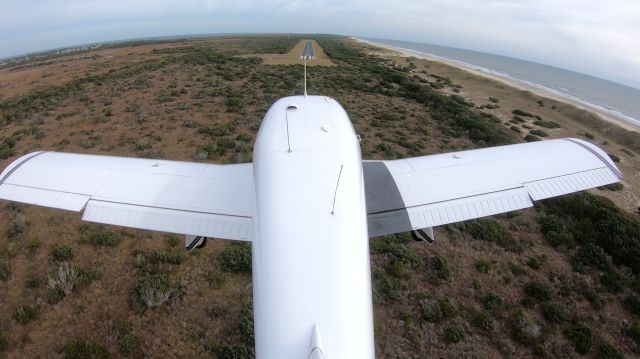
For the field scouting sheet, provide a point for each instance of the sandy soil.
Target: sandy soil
(610, 117)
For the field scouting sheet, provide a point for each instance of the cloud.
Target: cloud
(595, 37)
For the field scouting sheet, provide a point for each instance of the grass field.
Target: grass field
(545, 282)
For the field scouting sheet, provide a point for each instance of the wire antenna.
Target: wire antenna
(305, 76)
(333, 208)
(286, 119)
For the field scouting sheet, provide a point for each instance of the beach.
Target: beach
(605, 115)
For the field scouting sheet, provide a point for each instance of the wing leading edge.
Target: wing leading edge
(420, 192)
(171, 196)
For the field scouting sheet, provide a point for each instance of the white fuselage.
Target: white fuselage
(310, 266)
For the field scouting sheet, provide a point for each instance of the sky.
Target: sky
(600, 38)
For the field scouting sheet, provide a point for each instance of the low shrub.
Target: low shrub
(454, 334)
(546, 124)
(490, 230)
(236, 258)
(449, 307)
(579, 334)
(431, 312)
(104, 238)
(24, 314)
(524, 329)
(553, 313)
(17, 226)
(83, 349)
(61, 253)
(154, 291)
(522, 113)
(5, 268)
(441, 267)
(55, 295)
(236, 351)
(130, 345)
(483, 266)
(161, 256)
(64, 277)
(484, 320)
(608, 351)
(539, 133)
(388, 287)
(537, 292)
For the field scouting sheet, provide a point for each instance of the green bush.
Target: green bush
(61, 253)
(608, 351)
(237, 351)
(633, 331)
(493, 300)
(105, 238)
(539, 133)
(534, 263)
(483, 266)
(522, 113)
(454, 334)
(172, 240)
(441, 267)
(17, 226)
(234, 104)
(55, 295)
(154, 291)
(595, 221)
(245, 324)
(490, 230)
(449, 307)
(85, 349)
(532, 138)
(32, 282)
(579, 334)
(484, 320)
(5, 268)
(24, 314)
(388, 287)
(524, 329)
(553, 313)
(537, 292)
(236, 258)
(161, 256)
(431, 312)
(632, 303)
(546, 124)
(130, 345)
(613, 187)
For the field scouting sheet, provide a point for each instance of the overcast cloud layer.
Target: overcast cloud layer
(601, 38)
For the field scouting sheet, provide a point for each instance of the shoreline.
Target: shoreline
(518, 84)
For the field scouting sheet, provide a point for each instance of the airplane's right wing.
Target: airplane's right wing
(422, 192)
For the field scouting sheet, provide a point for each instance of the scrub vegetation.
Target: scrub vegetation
(558, 280)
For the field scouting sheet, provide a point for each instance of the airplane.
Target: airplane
(308, 204)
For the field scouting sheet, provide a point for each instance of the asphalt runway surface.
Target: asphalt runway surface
(308, 53)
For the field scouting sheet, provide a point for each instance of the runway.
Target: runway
(308, 53)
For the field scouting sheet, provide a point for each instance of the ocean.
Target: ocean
(619, 100)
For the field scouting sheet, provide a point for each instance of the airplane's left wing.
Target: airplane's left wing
(180, 197)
